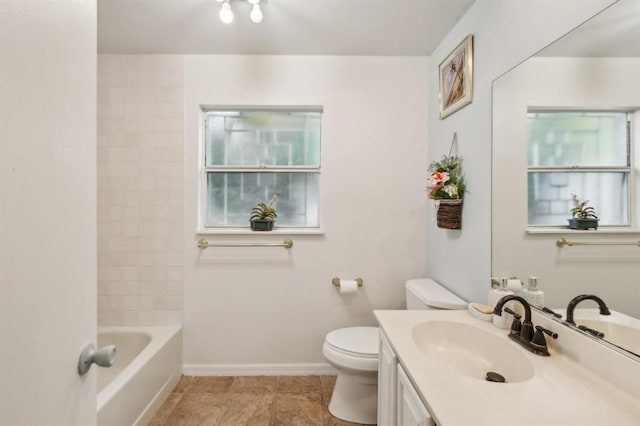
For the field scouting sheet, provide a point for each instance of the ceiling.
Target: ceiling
(290, 27)
(615, 32)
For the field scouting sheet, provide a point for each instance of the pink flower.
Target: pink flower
(439, 178)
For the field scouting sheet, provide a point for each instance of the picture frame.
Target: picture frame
(456, 78)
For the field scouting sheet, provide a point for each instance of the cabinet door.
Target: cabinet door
(411, 410)
(386, 383)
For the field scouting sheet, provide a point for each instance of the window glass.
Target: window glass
(550, 196)
(262, 138)
(588, 139)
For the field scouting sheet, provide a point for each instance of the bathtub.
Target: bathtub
(148, 366)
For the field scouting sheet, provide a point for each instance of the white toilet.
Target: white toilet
(353, 351)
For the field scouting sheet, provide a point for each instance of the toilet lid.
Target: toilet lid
(362, 341)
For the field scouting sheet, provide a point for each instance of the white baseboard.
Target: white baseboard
(259, 370)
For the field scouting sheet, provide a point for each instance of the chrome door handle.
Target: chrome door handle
(103, 357)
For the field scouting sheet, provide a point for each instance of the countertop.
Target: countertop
(561, 391)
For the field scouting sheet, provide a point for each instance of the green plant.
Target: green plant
(580, 209)
(264, 211)
(445, 181)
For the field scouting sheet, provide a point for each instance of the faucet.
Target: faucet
(604, 310)
(524, 334)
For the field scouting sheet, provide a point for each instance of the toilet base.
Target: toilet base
(355, 398)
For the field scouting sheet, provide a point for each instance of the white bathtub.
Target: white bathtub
(148, 366)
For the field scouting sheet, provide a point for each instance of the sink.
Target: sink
(618, 334)
(471, 351)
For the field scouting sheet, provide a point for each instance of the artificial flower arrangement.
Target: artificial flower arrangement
(446, 182)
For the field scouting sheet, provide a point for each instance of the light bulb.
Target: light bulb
(256, 14)
(226, 14)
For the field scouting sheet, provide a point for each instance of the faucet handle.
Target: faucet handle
(538, 337)
(516, 325)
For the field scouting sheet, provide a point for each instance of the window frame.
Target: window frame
(204, 170)
(633, 210)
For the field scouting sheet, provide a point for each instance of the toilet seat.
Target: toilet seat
(352, 348)
(355, 341)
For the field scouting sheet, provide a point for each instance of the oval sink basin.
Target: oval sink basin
(618, 334)
(471, 351)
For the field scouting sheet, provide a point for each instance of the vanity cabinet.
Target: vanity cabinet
(410, 409)
(398, 402)
(387, 382)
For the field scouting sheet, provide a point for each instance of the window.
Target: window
(586, 153)
(251, 154)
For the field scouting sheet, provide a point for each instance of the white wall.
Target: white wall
(140, 189)
(610, 272)
(273, 306)
(47, 210)
(505, 33)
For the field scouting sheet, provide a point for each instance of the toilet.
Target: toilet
(353, 351)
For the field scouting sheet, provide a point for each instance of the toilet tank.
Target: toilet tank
(424, 293)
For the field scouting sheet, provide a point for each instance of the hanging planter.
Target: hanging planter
(449, 214)
(447, 187)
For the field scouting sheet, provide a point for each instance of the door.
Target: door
(47, 210)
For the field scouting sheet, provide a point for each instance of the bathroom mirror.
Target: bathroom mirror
(589, 74)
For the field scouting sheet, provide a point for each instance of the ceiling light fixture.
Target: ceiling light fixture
(256, 12)
(226, 14)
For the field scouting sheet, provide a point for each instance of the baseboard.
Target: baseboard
(259, 370)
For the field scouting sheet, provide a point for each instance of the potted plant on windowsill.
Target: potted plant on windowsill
(447, 187)
(264, 215)
(584, 217)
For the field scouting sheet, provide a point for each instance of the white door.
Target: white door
(47, 210)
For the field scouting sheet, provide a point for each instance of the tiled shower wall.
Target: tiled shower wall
(140, 189)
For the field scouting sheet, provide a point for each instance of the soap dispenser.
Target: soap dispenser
(532, 295)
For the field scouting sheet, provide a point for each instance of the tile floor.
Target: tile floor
(249, 400)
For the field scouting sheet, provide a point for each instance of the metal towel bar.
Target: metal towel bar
(203, 244)
(562, 242)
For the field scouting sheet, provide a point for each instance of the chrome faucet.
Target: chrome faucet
(604, 310)
(524, 334)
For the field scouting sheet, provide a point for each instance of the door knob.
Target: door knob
(104, 357)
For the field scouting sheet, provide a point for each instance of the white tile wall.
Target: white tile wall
(140, 189)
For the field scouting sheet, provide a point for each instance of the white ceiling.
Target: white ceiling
(290, 27)
(615, 32)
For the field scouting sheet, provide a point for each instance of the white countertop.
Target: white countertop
(561, 391)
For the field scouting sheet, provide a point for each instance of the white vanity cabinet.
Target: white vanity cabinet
(398, 401)
(387, 383)
(410, 410)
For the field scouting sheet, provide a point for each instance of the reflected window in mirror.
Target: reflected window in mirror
(588, 153)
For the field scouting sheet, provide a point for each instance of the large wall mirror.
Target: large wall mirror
(567, 120)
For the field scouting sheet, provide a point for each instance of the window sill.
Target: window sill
(565, 230)
(276, 231)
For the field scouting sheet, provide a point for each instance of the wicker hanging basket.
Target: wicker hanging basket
(449, 214)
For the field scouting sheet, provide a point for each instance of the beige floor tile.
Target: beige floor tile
(302, 384)
(165, 410)
(254, 384)
(330, 420)
(182, 384)
(327, 384)
(297, 409)
(223, 409)
(210, 384)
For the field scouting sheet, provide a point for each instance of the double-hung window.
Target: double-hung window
(252, 154)
(588, 153)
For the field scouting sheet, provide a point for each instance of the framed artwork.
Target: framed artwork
(456, 78)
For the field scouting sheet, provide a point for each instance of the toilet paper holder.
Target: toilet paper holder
(336, 281)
